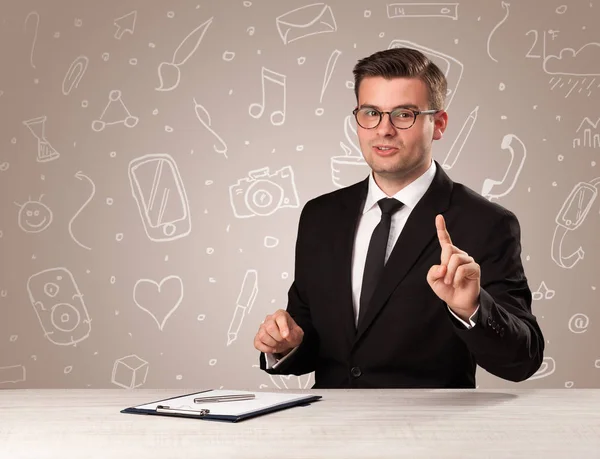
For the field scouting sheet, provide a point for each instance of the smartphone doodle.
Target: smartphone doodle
(570, 217)
(517, 158)
(160, 195)
(452, 68)
(59, 306)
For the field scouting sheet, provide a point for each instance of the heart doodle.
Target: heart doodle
(160, 300)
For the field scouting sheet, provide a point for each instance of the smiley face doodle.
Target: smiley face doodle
(34, 216)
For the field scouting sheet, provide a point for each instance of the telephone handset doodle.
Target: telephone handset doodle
(517, 159)
(570, 217)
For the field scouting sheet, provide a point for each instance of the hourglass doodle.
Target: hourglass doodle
(45, 151)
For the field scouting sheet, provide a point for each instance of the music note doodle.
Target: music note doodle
(256, 110)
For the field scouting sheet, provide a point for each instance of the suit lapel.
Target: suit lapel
(416, 235)
(350, 209)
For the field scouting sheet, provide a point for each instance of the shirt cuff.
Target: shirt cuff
(273, 362)
(471, 323)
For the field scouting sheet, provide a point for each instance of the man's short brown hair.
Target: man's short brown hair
(404, 63)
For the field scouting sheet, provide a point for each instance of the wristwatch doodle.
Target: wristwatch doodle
(571, 216)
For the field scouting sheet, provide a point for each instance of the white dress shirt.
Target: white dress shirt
(409, 196)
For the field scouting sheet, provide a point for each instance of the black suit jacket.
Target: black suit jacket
(408, 338)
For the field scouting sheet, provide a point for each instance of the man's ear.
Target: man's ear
(440, 122)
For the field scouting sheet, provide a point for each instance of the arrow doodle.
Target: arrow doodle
(80, 176)
(125, 24)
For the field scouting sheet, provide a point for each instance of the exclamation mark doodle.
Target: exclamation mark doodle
(35, 34)
(328, 73)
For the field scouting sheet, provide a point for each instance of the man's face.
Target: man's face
(408, 152)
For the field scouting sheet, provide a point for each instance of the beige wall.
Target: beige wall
(133, 240)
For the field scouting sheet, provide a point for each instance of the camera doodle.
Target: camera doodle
(262, 193)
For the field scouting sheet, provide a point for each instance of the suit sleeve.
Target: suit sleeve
(506, 340)
(304, 358)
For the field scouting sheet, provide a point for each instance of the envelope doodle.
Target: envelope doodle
(305, 21)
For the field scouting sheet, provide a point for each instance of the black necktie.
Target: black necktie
(376, 253)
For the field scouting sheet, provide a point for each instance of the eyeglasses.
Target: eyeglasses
(402, 118)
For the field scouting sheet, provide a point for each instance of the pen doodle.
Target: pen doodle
(461, 138)
(244, 303)
(204, 117)
(80, 176)
(168, 72)
(33, 43)
(505, 6)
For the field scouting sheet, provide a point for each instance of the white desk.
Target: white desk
(78, 424)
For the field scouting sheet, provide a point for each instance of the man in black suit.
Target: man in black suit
(406, 279)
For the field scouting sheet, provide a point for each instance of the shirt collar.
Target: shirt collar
(409, 195)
